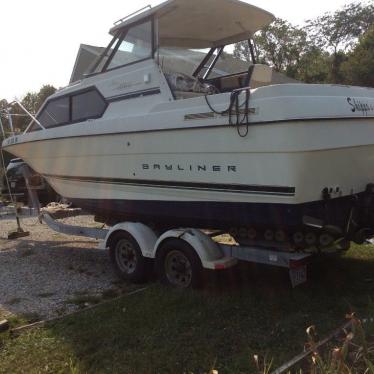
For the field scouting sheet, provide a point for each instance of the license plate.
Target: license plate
(298, 276)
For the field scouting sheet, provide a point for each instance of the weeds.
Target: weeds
(353, 353)
(73, 368)
(263, 367)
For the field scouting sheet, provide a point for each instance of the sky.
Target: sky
(40, 38)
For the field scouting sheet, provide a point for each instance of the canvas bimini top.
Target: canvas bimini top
(203, 23)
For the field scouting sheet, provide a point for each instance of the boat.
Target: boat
(142, 137)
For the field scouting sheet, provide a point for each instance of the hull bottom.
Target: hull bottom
(315, 225)
(218, 215)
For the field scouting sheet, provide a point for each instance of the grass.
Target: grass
(250, 311)
(84, 300)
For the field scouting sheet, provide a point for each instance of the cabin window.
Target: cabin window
(87, 105)
(134, 45)
(55, 113)
(73, 108)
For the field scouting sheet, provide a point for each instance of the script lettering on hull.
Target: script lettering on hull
(358, 105)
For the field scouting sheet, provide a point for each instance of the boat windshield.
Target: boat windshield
(227, 63)
(129, 46)
(203, 63)
(196, 72)
(180, 60)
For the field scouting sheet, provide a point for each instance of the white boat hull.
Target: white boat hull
(276, 169)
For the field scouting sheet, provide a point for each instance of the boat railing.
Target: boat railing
(132, 14)
(34, 119)
(10, 116)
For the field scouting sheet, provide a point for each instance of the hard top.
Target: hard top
(203, 23)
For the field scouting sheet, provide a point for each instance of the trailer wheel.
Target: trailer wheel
(127, 258)
(178, 264)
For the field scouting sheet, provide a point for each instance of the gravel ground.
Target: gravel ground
(49, 274)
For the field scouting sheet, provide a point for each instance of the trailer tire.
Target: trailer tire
(178, 264)
(127, 258)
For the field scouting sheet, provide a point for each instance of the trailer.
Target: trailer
(179, 255)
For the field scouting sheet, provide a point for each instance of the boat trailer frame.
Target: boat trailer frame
(213, 255)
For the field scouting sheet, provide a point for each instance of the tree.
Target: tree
(359, 67)
(4, 120)
(31, 102)
(338, 32)
(241, 51)
(3, 115)
(46, 91)
(280, 45)
(313, 67)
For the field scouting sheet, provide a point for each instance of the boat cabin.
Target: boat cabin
(193, 43)
(181, 49)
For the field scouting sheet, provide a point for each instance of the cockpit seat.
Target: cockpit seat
(261, 75)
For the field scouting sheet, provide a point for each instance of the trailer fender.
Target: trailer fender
(209, 252)
(143, 234)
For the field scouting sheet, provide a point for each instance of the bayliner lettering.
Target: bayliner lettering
(360, 106)
(198, 168)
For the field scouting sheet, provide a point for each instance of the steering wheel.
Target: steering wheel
(211, 87)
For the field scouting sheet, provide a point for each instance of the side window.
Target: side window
(135, 45)
(71, 109)
(55, 113)
(87, 105)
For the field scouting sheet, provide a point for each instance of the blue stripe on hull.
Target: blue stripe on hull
(177, 185)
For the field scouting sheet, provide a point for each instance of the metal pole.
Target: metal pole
(33, 195)
(19, 233)
(2, 128)
(10, 121)
(252, 51)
